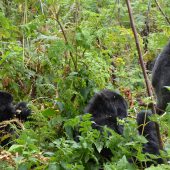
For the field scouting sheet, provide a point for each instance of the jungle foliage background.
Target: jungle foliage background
(55, 54)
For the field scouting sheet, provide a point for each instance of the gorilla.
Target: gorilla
(8, 111)
(161, 78)
(105, 107)
(148, 130)
(22, 112)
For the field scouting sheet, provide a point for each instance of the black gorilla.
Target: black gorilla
(22, 112)
(105, 107)
(161, 78)
(7, 112)
(147, 129)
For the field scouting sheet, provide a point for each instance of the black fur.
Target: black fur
(161, 78)
(148, 130)
(105, 107)
(7, 112)
(22, 112)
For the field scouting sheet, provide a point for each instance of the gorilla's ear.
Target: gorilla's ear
(5, 98)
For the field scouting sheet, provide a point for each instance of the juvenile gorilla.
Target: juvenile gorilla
(7, 112)
(147, 129)
(22, 112)
(161, 78)
(105, 107)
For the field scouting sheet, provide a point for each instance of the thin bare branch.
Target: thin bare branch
(147, 82)
(139, 49)
(160, 9)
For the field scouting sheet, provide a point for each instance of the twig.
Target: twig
(5, 123)
(138, 49)
(63, 32)
(66, 41)
(143, 68)
(160, 9)
(42, 10)
(146, 30)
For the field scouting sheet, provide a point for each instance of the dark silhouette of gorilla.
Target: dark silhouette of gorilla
(105, 107)
(7, 112)
(161, 78)
(22, 112)
(148, 130)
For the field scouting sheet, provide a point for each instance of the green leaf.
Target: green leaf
(16, 148)
(49, 112)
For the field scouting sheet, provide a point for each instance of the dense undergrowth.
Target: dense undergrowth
(56, 54)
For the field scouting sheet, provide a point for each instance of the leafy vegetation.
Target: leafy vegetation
(55, 54)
